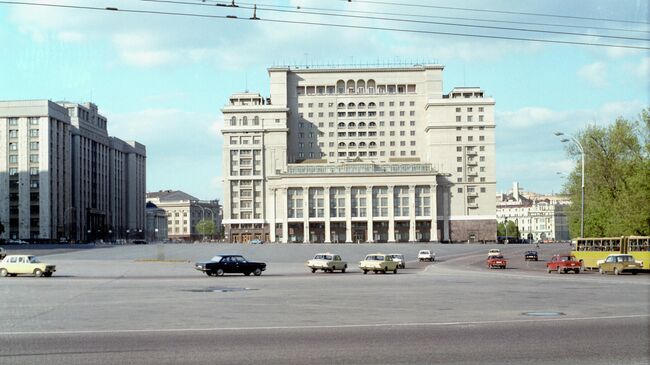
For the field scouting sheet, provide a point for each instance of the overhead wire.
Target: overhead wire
(334, 25)
(377, 2)
(258, 7)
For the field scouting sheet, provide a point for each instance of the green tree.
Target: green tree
(617, 179)
(206, 227)
(513, 230)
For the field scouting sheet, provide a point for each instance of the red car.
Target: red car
(496, 262)
(563, 264)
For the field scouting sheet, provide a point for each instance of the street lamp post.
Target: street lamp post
(582, 199)
(506, 224)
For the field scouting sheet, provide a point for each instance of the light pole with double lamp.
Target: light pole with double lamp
(582, 199)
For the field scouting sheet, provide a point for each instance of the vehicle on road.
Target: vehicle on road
(496, 262)
(426, 255)
(591, 252)
(256, 242)
(619, 264)
(25, 265)
(399, 258)
(563, 264)
(139, 242)
(531, 256)
(378, 262)
(327, 262)
(3, 253)
(494, 252)
(17, 242)
(230, 264)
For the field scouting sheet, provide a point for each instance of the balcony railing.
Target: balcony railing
(360, 169)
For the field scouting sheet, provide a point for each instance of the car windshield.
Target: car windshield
(216, 258)
(498, 257)
(567, 258)
(375, 258)
(323, 257)
(424, 252)
(33, 260)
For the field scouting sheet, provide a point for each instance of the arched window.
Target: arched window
(233, 121)
(244, 121)
(372, 125)
(361, 87)
(341, 105)
(351, 106)
(340, 87)
(362, 144)
(371, 86)
(341, 125)
(362, 105)
(372, 144)
(256, 120)
(362, 124)
(351, 125)
(342, 144)
(371, 105)
(350, 86)
(352, 144)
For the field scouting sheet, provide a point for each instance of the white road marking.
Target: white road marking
(344, 326)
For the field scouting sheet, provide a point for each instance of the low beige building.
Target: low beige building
(184, 212)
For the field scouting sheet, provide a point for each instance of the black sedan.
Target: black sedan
(227, 264)
(531, 255)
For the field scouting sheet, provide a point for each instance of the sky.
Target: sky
(162, 79)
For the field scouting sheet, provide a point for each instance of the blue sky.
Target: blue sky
(161, 80)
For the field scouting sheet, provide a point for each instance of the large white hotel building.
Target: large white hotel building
(359, 155)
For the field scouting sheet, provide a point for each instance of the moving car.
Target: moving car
(496, 262)
(426, 255)
(399, 258)
(230, 264)
(17, 242)
(256, 242)
(25, 264)
(378, 262)
(619, 264)
(327, 262)
(139, 242)
(530, 255)
(494, 252)
(563, 264)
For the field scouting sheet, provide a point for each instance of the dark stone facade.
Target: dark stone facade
(473, 230)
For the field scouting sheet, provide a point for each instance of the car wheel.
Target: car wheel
(559, 270)
(219, 272)
(247, 273)
(343, 270)
(577, 271)
(313, 271)
(548, 269)
(257, 272)
(38, 273)
(616, 272)
(3, 272)
(48, 274)
(395, 271)
(365, 272)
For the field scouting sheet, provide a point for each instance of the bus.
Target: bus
(593, 251)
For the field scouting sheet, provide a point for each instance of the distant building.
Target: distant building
(375, 154)
(61, 175)
(184, 212)
(538, 217)
(156, 223)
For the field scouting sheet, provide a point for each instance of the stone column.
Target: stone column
(348, 214)
(434, 214)
(272, 224)
(446, 212)
(412, 235)
(305, 214)
(369, 226)
(326, 201)
(391, 214)
(285, 218)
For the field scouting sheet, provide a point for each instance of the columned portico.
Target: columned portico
(305, 214)
(369, 213)
(446, 212)
(391, 214)
(285, 218)
(348, 214)
(328, 232)
(434, 214)
(412, 213)
(272, 217)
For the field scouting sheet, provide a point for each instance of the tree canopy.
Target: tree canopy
(617, 179)
(206, 227)
(513, 230)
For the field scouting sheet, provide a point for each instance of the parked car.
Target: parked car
(327, 262)
(496, 262)
(378, 262)
(139, 242)
(530, 255)
(256, 242)
(17, 242)
(25, 264)
(399, 258)
(494, 252)
(230, 264)
(619, 264)
(563, 264)
(426, 255)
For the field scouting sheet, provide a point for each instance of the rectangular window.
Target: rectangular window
(458, 118)
(33, 146)
(481, 138)
(33, 158)
(13, 133)
(459, 138)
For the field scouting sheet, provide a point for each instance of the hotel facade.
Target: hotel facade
(63, 176)
(359, 155)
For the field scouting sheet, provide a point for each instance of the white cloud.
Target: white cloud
(594, 73)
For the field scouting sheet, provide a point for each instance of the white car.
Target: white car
(426, 255)
(327, 262)
(399, 258)
(494, 252)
